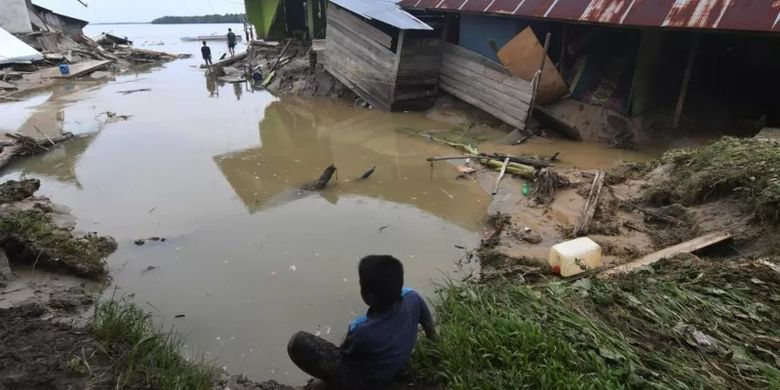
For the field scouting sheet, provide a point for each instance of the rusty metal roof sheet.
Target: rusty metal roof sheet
(386, 11)
(739, 15)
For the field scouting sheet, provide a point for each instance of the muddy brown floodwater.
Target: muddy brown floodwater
(248, 258)
(215, 169)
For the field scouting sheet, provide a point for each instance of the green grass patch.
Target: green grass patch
(686, 325)
(747, 168)
(141, 355)
(37, 238)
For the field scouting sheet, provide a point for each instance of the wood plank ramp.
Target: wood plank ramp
(685, 247)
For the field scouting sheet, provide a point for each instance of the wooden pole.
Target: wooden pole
(538, 75)
(590, 206)
(44, 134)
(685, 247)
(500, 175)
(686, 80)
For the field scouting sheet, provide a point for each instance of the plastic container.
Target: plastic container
(64, 69)
(575, 256)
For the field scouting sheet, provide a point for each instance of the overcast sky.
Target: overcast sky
(139, 10)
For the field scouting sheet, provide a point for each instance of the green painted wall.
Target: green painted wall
(262, 14)
(268, 17)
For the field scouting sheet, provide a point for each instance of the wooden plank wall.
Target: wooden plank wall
(418, 70)
(358, 55)
(484, 84)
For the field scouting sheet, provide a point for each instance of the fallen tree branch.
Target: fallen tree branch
(322, 182)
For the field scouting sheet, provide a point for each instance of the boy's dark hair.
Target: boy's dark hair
(381, 281)
(204, 43)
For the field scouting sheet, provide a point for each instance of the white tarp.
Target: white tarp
(13, 50)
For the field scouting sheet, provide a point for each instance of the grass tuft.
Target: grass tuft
(141, 355)
(685, 325)
(748, 169)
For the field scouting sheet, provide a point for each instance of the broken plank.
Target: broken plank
(500, 175)
(82, 69)
(685, 247)
(590, 206)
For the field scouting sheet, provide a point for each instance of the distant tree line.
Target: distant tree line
(226, 18)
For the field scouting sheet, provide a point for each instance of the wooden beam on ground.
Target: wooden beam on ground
(685, 247)
(538, 76)
(82, 69)
(590, 205)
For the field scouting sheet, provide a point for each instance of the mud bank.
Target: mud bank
(645, 207)
(688, 320)
(284, 68)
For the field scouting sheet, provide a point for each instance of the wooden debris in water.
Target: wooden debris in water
(322, 182)
(546, 182)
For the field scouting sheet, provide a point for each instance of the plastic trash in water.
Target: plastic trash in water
(526, 189)
(64, 69)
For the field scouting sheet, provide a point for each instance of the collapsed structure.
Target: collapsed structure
(612, 71)
(36, 41)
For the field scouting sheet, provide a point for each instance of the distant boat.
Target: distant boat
(212, 37)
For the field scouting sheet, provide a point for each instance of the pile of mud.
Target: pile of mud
(732, 185)
(291, 68)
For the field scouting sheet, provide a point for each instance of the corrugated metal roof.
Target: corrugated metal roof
(386, 11)
(740, 15)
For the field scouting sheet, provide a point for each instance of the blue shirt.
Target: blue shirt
(379, 345)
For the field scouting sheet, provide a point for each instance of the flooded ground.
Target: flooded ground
(216, 170)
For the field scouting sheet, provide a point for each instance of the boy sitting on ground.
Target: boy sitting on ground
(378, 345)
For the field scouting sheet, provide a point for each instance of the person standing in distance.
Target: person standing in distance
(231, 37)
(206, 52)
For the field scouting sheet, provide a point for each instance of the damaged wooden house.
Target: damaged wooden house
(615, 70)
(397, 61)
(673, 66)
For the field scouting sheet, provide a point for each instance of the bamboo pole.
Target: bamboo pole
(500, 176)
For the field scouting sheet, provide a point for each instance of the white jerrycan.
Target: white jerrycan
(575, 256)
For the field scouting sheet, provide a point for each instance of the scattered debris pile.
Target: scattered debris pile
(293, 67)
(15, 145)
(684, 323)
(32, 232)
(730, 188)
(68, 57)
